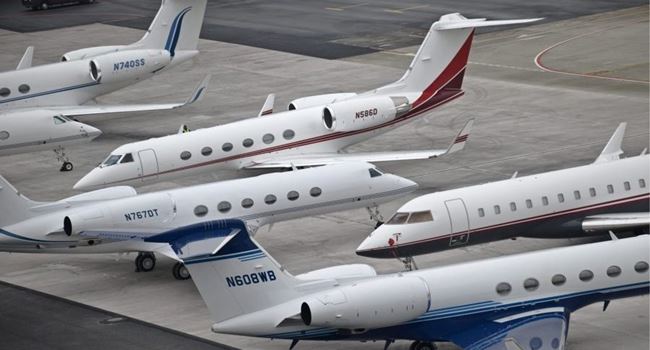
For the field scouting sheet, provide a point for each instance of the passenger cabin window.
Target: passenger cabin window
(503, 288)
(247, 143)
(112, 159)
(23, 88)
(420, 216)
(529, 203)
(610, 189)
(128, 158)
(558, 280)
(586, 275)
(481, 212)
(398, 219)
(247, 203)
(560, 197)
(544, 200)
(642, 183)
(270, 199)
(200, 210)
(4, 92)
(4, 134)
(576, 195)
(626, 185)
(288, 134)
(374, 172)
(641, 267)
(513, 206)
(592, 192)
(293, 195)
(613, 271)
(224, 207)
(315, 191)
(268, 138)
(226, 147)
(185, 155)
(530, 284)
(497, 209)
(206, 151)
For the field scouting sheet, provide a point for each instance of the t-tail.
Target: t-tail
(436, 73)
(175, 28)
(233, 273)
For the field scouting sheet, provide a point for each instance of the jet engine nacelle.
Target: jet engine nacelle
(143, 213)
(89, 52)
(127, 65)
(318, 100)
(368, 304)
(359, 114)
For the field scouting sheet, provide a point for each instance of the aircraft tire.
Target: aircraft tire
(423, 346)
(180, 272)
(379, 223)
(145, 262)
(67, 166)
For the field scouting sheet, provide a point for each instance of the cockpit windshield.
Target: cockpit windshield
(112, 160)
(374, 172)
(128, 158)
(59, 119)
(410, 218)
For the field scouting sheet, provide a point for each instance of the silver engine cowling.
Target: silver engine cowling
(357, 114)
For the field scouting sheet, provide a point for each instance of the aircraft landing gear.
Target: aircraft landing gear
(145, 262)
(409, 264)
(59, 151)
(180, 272)
(375, 215)
(422, 345)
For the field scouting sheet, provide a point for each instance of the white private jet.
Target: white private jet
(106, 220)
(36, 103)
(610, 194)
(514, 302)
(317, 129)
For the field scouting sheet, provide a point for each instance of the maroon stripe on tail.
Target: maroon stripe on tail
(461, 138)
(267, 112)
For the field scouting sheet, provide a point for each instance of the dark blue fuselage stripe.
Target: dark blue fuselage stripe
(49, 92)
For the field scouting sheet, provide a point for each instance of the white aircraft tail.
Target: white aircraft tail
(441, 60)
(14, 207)
(176, 27)
(233, 273)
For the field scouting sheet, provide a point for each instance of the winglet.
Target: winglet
(267, 108)
(612, 150)
(458, 21)
(26, 61)
(199, 91)
(461, 139)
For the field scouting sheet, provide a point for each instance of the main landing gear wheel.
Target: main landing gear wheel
(145, 262)
(422, 345)
(180, 272)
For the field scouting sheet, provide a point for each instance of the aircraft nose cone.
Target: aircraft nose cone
(86, 182)
(92, 131)
(374, 245)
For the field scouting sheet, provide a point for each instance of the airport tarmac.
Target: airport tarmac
(531, 116)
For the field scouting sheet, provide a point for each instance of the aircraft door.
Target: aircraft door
(459, 222)
(148, 165)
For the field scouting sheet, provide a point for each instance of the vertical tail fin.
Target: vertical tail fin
(612, 150)
(14, 207)
(440, 62)
(233, 273)
(176, 27)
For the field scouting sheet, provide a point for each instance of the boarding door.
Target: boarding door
(459, 222)
(148, 165)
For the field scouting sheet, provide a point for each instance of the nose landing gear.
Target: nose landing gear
(375, 215)
(59, 151)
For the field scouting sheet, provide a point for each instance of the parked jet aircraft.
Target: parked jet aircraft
(36, 102)
(610, 194)
(100, 221)
(515, 302)
(317, 129)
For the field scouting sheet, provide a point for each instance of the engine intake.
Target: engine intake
(357, 114)
(368, 304)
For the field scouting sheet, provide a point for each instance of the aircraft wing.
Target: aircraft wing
(616, 221)
(540, 329)
(197, 94)
(315, 159)
(135, 240)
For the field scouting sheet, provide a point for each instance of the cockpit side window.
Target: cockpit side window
(374, 172)
(112, 159)
(128, 158)
(398, 218)
(420, 216)
(58, 119)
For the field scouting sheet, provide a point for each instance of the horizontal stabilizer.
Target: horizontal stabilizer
(26, 61)
(316, 159)
(612, 150)
(457, 21)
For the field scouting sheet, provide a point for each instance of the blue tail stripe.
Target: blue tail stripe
(175, 30)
